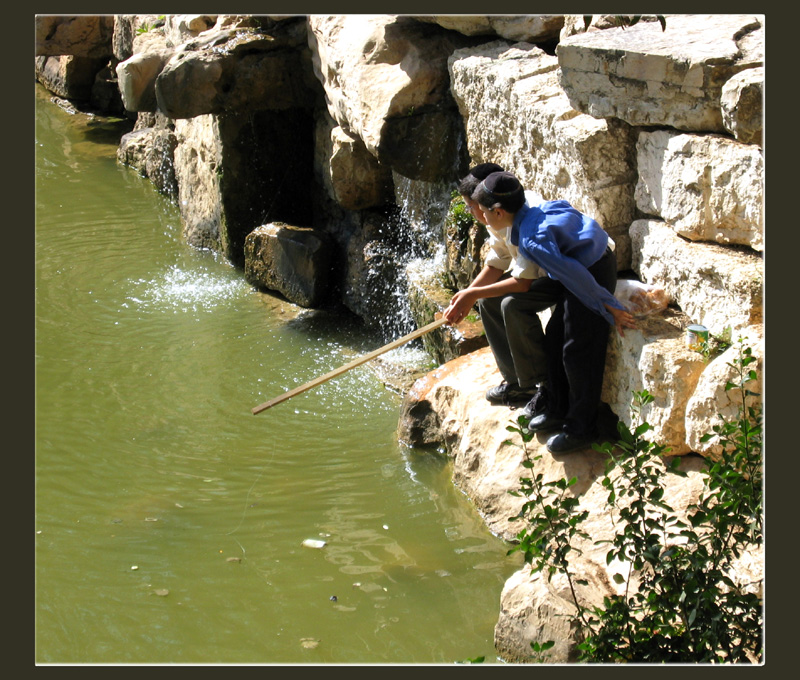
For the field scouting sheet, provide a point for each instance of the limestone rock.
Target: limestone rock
(69, 77)
(181, 28)
(711, 400)
(135, 29)
(743, 105)
(647, 76)
(532, 606)
(714, 285)
(235, 70)
(150, 149)
(472, 430)
(706, 187)
(466, 245)
(532, 28)
(654, 357)
(137, 79)
(554, 150)
(226, 190)
(197, 157)
(294, 261)
(428, 298)
(385, 80)
(535, 609)
(574, 23)
(353, 176)
(87, 36)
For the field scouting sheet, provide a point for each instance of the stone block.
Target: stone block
(715, 286)
(706, 187)
(293, 261)
(648, 76)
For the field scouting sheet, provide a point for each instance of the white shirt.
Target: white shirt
(505, 256)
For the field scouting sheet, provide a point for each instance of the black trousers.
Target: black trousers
(514, 331)
(576, 340)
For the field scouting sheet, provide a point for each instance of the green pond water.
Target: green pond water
(169, 519)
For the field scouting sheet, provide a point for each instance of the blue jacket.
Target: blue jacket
(565, 242)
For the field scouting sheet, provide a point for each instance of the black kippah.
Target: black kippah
(502, 184)
(483, 170)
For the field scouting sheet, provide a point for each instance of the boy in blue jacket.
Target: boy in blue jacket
(573, 250)
(509, 291)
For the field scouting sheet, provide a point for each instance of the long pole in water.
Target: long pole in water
(343, 369)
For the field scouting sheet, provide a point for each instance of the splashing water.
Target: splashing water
(184, 290)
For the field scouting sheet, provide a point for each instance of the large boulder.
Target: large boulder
(654, 357)
(706, 187)
(237, 70)
(536, 609)
(137, 79)
(516, 114)
(710, 400)
(447, 408)
(648, 76)
(386, 82)
(428, 297)
(87, 36)
(134, 32)
(198, 155)
(70, 77)
(150, 149)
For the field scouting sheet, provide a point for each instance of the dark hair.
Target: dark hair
(500, 190)
(468, 184)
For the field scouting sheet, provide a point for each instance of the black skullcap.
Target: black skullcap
(483, 170)
(502, 184)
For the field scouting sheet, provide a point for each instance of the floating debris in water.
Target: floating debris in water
(309, 643)
(314, 543)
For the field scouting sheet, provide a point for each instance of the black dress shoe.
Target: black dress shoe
(565, 442)
(510, 394)
(538, 403)
(544, 422)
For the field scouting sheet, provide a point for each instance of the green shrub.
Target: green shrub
(686, 607)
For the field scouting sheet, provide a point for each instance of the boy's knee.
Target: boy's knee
(512, 306)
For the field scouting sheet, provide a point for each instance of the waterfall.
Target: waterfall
(417, 247)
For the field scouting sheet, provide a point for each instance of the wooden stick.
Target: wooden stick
(343, 369)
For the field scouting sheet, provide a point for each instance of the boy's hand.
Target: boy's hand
(622, 319)
(459, 307)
